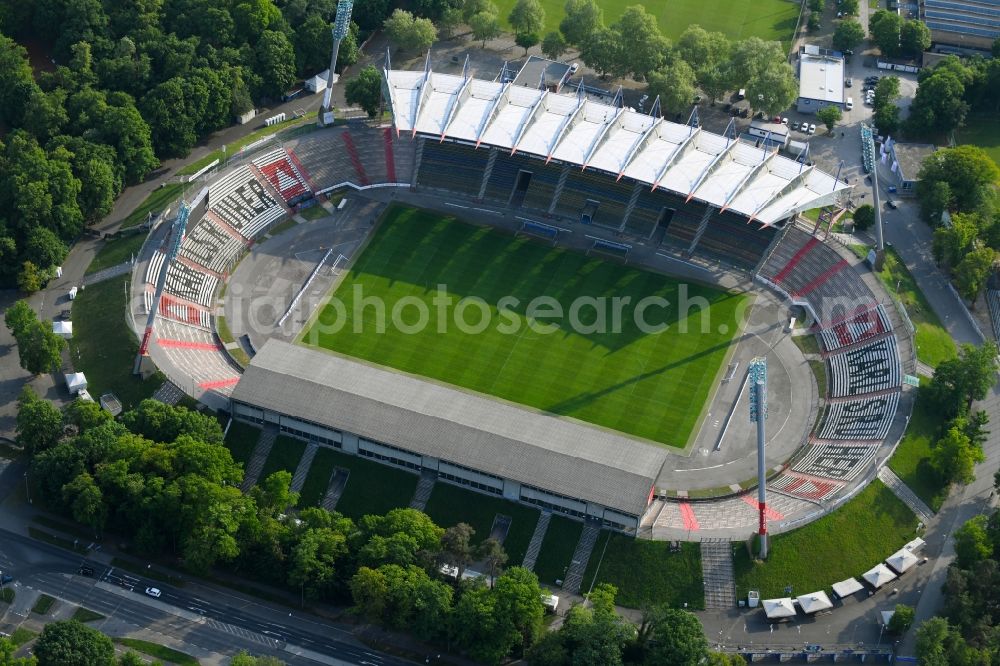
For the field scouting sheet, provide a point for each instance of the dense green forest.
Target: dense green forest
(114, 87)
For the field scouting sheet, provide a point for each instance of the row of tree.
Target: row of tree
(159, 460)
(948, 92)
(968, 633)
(72, 643)
(129, 84)
(956, 384)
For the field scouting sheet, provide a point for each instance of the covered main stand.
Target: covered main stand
(879, 575)
(779, 609)
(814, 602)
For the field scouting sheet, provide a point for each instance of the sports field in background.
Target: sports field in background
(737, 19)
(648, 385)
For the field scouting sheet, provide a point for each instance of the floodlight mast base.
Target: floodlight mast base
(340, 29)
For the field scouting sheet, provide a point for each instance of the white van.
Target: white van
(850, 103)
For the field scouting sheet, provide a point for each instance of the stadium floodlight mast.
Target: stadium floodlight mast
(757, 372)
(340, 27)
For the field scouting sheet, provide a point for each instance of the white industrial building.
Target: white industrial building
(821, 80)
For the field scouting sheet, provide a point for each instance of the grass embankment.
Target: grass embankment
(241, 440)
(104, 348)
(934, 344)
(372, 488)
(43, 605)
(557, 550)
(199, 164)
(911, 461)
(981, 130)
(285, 455)
(82, 614)
(116, 251)
(646, 572)
(845, 543)
(158, 200)
(450, 505)
(318, 478)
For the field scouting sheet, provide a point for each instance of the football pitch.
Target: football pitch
(737, 19)
(631, 375)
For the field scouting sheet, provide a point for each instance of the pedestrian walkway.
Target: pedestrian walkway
(717, 574)
(423, 492)
(168, 393)
(108, 273)
(581, 556)
(259, 457)
(338, 481)
(903, 492)
(535, 545)
(299, 479)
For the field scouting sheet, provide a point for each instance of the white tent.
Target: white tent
(846, 588)
(914, 545)
(775, 609)
(879, 575)
(76, 382)
(886, 616)
(63, 329)
(901, 560)
(814, 602)
(318, 83)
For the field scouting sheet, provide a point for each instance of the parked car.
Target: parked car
(86, 571)
(5, 578)
(795, 125)
(784, 121)
(153, 592)
(848, 83)
(892, 204)
(812, 128)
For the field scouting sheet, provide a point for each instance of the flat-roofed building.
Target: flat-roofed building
(965, 23)
(821, 80)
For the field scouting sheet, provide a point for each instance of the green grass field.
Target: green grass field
(982, 130)
(115, 252)
(557, 549)
(738, 19)
(847, 542)
(650, 385)
(450, 505)
(646, 572)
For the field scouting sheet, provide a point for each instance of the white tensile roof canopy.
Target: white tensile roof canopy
(775, 609)
(814, 602)
(901, 560)
(879, 575)
(687, 161)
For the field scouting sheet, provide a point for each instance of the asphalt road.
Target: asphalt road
(223, 623)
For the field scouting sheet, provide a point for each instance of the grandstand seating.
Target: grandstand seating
(869, 369)
(836, 461)
(806, 487)
(208, 245)
(868, 324)
(867, 419)
(502, 178)
(243, 203)
(583, 185)
(190, 284)
(155, 267)
(282, 174)
(993, 303)
(324, 161)
(542, 188)
(732, 238)
(452, 167)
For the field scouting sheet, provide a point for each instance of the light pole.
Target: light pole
(27, 490)
(340, 27)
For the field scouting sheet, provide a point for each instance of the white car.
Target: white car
(153, 592)
(784, 121)
(812, 129)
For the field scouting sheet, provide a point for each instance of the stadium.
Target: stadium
(495, 189)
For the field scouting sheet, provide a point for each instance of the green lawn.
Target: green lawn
(285, 455)
(21, 636)
(104, 348)
(557, 549)
(372, 488)
(807, 344)
(283, 226)
(845, 543)
(646, 384)
(43, 605)
(768, 19)
(933, 342)
(646, 572)
(158, 651)
(7, 595)
(241, 440)
(911, 461)
(318, 478)
(116, 251)
(450, 505)
(158, 200)
(82, 614)
(981, 130)
(315, 212)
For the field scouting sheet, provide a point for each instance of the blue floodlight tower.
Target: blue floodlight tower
(340, 27)
(757, 372)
